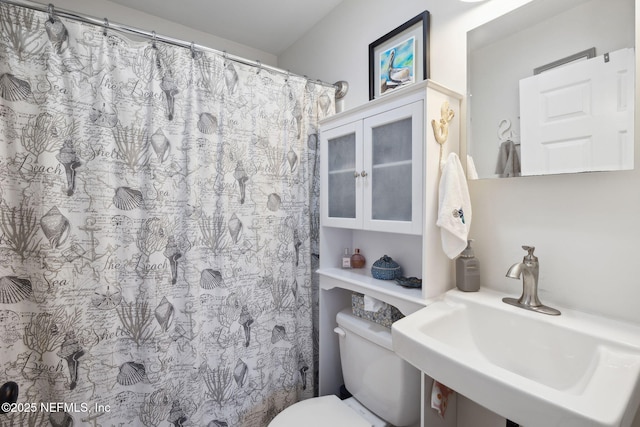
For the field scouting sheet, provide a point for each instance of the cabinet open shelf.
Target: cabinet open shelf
(406, 300)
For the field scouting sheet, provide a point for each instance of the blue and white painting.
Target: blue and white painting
(397, 65)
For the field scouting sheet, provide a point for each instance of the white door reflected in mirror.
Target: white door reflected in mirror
(508, 49)
(579, 117)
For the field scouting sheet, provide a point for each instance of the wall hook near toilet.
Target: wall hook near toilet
(441, 127)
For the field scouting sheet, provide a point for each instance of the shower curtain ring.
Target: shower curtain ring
(193, 50)
(106, 27)
(224, 55)
(51, 10)
(153, 39)
(259, 66)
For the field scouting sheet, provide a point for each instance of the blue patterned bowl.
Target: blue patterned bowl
(385, 269)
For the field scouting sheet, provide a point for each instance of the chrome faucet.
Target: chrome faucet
(528, 269)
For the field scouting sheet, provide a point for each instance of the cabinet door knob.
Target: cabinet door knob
(363, 174)
(356, 174)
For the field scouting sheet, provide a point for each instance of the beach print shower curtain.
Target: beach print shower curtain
(158, 220)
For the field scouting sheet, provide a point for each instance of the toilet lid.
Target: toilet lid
(325, 411)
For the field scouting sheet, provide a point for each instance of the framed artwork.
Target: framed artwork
(400, 57)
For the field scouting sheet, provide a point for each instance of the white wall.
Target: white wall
(124, 15)
(585, 227)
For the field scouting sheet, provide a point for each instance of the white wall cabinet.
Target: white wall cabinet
(391, 210)
(372, 176)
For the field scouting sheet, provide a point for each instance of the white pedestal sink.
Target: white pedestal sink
(573, 370)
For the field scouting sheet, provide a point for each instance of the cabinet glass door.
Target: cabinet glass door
(341, 155)
(391, 171)
(393, 199)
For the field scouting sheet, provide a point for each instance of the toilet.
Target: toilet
(385, 388)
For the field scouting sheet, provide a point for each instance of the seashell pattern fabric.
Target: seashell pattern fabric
(164, 314)
(132, 373)
(57, 33)
(55, 226)
(210, 279)
(14, 289)
(127, 198)
(207, 123)
(13, 88)
(158, 216)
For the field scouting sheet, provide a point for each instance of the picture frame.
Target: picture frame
(400, 57)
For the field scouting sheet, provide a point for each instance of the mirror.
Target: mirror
(576, 114)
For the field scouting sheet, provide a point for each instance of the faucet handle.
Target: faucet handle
(530, 256)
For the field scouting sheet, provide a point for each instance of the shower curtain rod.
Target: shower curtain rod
(107, 25)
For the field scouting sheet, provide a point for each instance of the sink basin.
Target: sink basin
(572, 370)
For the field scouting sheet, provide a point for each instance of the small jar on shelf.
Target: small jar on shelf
(357, 259)
(346, 259)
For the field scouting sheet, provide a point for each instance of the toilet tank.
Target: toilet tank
(377, 377)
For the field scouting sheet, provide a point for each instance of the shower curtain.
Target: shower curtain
(158, 224)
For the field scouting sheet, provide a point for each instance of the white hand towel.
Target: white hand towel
(454, 210)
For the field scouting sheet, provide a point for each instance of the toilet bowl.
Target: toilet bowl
(385, 388)
(327, 411)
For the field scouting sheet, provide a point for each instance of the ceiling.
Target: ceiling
(267, 25)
